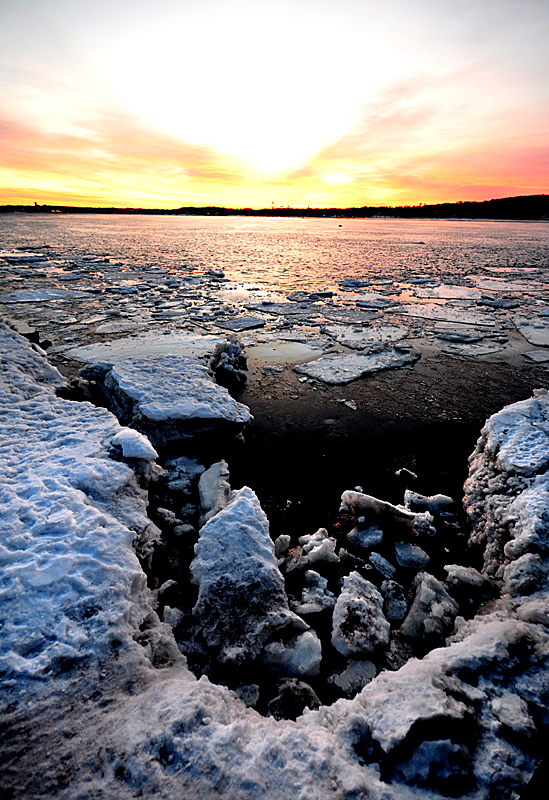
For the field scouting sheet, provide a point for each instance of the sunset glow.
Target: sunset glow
(126, 103)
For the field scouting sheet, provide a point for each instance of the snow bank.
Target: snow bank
(97, 702)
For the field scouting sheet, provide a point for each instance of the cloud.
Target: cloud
(112, 153)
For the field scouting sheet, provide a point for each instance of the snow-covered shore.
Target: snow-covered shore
(97, 700)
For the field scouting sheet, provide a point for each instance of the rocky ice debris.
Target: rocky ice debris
(229, 364)
(241, 599)
(169, 398)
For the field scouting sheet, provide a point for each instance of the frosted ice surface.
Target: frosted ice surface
(23, 371)
(338, 370)
(147, 346)
(68, 516)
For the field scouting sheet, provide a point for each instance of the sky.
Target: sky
(253, 103)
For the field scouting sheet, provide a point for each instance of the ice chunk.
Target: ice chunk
(355, 676)
(359, 504)
(411, 556)
(394, 603)
(300, 658)
(366, 538)
(435, 504)
(525, 575)
(512, 711)
(433, 611)
(134, 445)
(316, 596)
(214, 490)
(318, 547)
(359, 627)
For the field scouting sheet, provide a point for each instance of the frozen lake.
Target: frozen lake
(285, 254)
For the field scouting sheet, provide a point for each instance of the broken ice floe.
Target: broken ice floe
(338, 370)
(241, 323)
(537, 356)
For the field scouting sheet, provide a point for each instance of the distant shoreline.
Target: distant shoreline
(523, 208)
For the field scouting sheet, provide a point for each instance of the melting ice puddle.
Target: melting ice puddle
(283, 352)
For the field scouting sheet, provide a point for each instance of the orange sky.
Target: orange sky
(292, 103)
